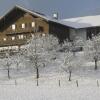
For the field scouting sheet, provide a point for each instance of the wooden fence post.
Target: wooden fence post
(59, 83)
(77, 83)
(97, 83)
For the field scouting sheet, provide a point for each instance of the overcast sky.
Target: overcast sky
(65, 8)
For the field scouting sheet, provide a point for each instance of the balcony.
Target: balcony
(19, 31)
(13, 42)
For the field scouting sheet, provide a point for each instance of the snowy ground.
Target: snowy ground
(22, 85)
(49, 89)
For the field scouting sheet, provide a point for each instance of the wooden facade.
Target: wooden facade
(19, 25)
(59, 30)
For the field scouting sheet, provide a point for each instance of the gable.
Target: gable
(14, 14)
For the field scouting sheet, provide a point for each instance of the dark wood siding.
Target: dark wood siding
(92, 31)
(18, 17)
(61, 31)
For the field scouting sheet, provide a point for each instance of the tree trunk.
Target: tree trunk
(19, 48)
(8, 73)
(37, 82)
(74, 53)
(70, 75)
(17, 67)
(37, 72)
(96, 67)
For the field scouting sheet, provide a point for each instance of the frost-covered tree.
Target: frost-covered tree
(40, 50)
(68, 64)
(17, 60)
(92, 49)
(72, 63)
(8, 63)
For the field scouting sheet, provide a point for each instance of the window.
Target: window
(33, 24)
(23, 25)
(43, 35)
(13, 38)
(40, 29)
(4, 39)
(20, 36)
(13, 27)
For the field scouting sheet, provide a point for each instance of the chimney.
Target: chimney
(55, 16)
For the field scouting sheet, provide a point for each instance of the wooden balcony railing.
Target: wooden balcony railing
(13, 42)
(19, 30)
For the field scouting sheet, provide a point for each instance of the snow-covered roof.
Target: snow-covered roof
(45, 17)
(82, 22)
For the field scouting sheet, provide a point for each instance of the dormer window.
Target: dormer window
(23, 25)
(13, 27)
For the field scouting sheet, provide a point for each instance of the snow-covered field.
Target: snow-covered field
(49, 89)
(23, 86)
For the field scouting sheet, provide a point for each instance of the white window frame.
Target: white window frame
(13, 38)
(4, 39)
(33, 24)
(23, 25)
(13, 27)
(21, 36)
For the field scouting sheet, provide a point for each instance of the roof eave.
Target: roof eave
(26, 10)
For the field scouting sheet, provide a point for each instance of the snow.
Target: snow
(82, 22)
(22, 85)
(18, 73)
(48, 89)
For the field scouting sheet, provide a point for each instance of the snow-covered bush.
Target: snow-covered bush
(92, 49)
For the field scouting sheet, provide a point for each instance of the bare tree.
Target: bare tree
(8, 63)
(67, 67)
(40, 50)
(70, 72)
(92, 48)
(96, 45)
(17, 60)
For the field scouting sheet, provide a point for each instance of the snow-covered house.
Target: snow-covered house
(19, 24)
(84, 27)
